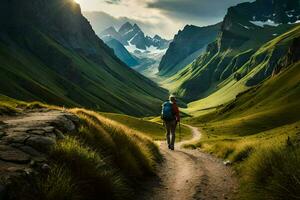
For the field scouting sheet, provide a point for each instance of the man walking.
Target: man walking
(170, 115)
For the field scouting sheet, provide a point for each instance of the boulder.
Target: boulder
(41, 143)
(11, 154)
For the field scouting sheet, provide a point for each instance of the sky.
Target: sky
(163, 17)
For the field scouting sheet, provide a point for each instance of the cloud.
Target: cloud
(101, 21)
(199, 11)
(163, 17)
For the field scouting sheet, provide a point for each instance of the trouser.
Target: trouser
(171, 128)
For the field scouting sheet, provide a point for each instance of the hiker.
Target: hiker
(170, 116)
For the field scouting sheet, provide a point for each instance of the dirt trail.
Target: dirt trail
(191, 174)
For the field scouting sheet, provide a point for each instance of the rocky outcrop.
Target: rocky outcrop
(188, 41)
(25, 141)
(292, 56)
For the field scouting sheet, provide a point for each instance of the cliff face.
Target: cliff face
(49, 52)
(62, 19)
(257, 15)
(185, 43)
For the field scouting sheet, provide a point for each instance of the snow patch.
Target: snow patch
(246, 27)
(296, 22)
(128, 32)
(265, 23)
(155, 50)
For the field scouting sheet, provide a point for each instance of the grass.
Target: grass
(10, 106)
(258, 133)
(102, 159)
(273, 173)
(151, 127)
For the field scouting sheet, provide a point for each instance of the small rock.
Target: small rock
(16, 145)
(51, 135)
(32, 163)
(37, 132)
(31, 151)
(2, 134)
(45, 167)
(65, 124)
(42, 144)
(16, 138)
(28, 171)
(11, 154)
(227, 162)
(59, 134)
(48, 129)
(15, 169)
(20, 129)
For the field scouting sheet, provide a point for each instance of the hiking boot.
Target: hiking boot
(172, 148)
(169, 146)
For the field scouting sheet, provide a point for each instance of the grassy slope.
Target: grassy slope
(230, 88)
(66, 69)
(25, 77)
(255, 129)
(90, 164)
(213, 70)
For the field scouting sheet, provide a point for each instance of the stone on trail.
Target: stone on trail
(31, 151)
(11, 154)
(41, 143)
(59, 134)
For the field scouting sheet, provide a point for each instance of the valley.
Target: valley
(80, 104)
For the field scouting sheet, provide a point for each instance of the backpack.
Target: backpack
(167, 111)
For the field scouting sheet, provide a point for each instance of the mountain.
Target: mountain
(49, 52)
(147, 51)
(122, 53)
(102, 20)
(258, 131)
(113, 39)
(186, 46)
(129, 34)
(239, 57)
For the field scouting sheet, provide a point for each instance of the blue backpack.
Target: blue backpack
(167, 111)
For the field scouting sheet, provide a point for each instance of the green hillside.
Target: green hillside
(72, 67)
(258, 131)
(236, 54)
(266, 57)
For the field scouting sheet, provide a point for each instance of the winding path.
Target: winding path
(191, 174)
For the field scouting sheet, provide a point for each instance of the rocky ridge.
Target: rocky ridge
(25, 141)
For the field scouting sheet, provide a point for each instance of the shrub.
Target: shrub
(242, 154)
(273, 173)
(55, 185)
(101, 160)
(94, 176)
